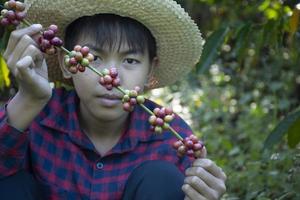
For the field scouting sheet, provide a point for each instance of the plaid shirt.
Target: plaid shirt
(66, 163)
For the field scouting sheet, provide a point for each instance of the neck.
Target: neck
(101, 128)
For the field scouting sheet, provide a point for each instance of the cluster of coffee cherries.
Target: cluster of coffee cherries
(110, 78)
(132, 98)
(13, 13)
(78, 59)
(161, 119)
(190, 146)
(48, 41)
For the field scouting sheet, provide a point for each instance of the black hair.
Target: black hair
(111, 30)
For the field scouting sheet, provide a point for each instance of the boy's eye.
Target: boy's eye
(95, 58)
(131, 61)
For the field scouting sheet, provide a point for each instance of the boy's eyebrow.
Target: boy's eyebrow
(99, 49)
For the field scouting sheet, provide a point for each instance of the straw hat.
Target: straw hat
(178, 39)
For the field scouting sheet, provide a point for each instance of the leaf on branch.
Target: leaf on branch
(294, 134)
(213, 43)
(4, 74)
(287, 124)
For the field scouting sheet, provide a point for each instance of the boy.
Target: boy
(81, 144)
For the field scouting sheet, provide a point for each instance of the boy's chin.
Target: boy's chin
(110, 114)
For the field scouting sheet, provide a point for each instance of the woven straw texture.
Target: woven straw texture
(179, 41)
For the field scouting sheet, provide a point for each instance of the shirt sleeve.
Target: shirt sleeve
(13, 146)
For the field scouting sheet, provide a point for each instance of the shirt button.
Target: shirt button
(99, 165)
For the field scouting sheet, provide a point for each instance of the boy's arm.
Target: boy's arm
(27, 64)
(22, 110)
(13, 146)
(15, 119)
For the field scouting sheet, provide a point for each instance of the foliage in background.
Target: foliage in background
(243, 89)
(246, 86)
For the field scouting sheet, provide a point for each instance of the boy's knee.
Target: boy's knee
(155, 180)
(21, 185)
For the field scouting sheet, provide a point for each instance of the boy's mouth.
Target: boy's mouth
(111, 96)
(109, 100)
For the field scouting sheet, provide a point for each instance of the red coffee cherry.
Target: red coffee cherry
(190, 146)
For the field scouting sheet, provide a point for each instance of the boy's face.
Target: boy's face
(95, 100)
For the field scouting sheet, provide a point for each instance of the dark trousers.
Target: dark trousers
(152, 180)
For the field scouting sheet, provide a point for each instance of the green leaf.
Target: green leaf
(294, 134)
(211, 47)
(242, 39)
(281, 129)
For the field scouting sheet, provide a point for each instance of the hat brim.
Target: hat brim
(178, 39)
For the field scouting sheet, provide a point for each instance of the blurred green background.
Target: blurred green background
(243, 97)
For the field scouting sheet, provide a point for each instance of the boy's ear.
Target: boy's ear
(148, 84)
(154, 64)
(65, 71)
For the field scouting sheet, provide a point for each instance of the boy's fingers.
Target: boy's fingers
(192, 193)
(37, 60)
(17, 35)
(23, 71)
(25, 42)
(211, 167)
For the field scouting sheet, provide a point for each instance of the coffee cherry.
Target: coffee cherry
(158, 129)
(162, 119)
(90, 57)
(20, 6)
(152, 120)
(53, 28)
(189, 146)
(113, 72)
(116, 82)
(81, 68)
(48, 41)
(3, 12)
(127, 107)
(6, 5)
(73, 61)
(5, 22)
(20, 15)
(133, 101)
(73, 69)
(78, 56)
(132, 98)
(159, 122)
(10, 15)
(13, 13)
(85, 62)
(140, 99)
(15, 22)
(85, 51)
(110, 77)
(12, 4)
(77, 60)
(177, 144)
(49, 34)
(56, 42)
(77, 48)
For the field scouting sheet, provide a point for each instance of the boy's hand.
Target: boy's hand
(204, 180)
(26, 62)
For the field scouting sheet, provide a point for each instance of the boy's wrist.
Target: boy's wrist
(32, 100)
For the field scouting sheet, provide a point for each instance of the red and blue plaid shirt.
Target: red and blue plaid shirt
(64, 160)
